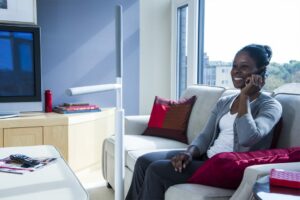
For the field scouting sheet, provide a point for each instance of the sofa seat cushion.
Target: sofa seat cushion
(143, 142)
(137, 145)
(132, 156)
(197, 192)
(138, 142)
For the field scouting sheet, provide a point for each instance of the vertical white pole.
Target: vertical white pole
(119, 146)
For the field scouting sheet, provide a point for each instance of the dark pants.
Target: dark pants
(154, 174)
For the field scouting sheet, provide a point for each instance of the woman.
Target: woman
(240, 122)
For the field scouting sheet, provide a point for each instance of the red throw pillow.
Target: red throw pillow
(169, 119)
(226, 169)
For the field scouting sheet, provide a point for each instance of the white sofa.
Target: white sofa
(136, 145)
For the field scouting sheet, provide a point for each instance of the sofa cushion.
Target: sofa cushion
(141, 144)
(226, 169)
(290, 133)
(197, 192)
(136, 124)
(132, 156)
(207, 96)
(169, 119)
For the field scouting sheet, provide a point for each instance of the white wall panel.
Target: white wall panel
(155, 52)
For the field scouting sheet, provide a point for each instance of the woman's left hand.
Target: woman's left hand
(181, 160)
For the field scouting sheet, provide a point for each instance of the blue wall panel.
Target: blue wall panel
(78, 49)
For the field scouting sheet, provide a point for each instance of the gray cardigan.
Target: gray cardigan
(252, 131)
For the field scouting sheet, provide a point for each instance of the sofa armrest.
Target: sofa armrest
(254, 172)
(136, 124)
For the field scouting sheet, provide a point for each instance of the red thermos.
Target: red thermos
(48, 101)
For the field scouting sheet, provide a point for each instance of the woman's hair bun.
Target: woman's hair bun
(268, 51)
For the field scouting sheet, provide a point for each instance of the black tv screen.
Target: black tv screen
(20, 68)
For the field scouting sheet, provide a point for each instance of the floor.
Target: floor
(100, 191)
(92, 180)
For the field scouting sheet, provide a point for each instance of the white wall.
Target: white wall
(155, 52)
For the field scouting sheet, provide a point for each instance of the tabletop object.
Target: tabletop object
(263, 191)
(54, 181)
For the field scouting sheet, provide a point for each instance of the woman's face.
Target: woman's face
(243, 67)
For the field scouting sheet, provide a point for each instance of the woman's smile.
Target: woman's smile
(238, 82)
(237, 79)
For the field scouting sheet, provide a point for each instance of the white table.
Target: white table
(54, 181)
(263, 191)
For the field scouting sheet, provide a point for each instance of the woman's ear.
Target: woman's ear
(261, 72)
(263, 81)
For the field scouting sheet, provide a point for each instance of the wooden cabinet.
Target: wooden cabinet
(28, 136)
(58, 137)
(78, 137)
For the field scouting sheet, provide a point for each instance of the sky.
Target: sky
(232, 24)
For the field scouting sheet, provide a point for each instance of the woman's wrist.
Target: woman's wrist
(243, 104)
(243, 97)
(193, 151)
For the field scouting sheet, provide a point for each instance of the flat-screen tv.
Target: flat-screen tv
(20, 68)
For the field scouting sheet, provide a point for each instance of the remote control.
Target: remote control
(23, 159)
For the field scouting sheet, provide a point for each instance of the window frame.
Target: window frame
(192, 59)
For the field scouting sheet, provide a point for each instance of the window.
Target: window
(182, 38)
(184, 45)
(232, 24)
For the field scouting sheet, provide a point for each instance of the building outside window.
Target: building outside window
(232, 24)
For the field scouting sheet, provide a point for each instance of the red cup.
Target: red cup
(48, 101)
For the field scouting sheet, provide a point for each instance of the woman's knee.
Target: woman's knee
(160, 167)
(146, 159)
(143, 161)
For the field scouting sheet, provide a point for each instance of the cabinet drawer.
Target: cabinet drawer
(23, 136)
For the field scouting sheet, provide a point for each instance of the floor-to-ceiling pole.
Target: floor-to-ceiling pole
(119, 146)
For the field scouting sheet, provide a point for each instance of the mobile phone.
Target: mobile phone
(260, 72)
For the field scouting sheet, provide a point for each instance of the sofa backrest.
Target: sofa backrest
(290, 131)
(230, 92)
(207, 96)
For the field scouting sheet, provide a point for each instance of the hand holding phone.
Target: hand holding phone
(253, 84)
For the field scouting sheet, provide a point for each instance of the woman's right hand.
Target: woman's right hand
(253, 84)
(181, 160)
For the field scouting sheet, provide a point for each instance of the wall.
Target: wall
(78, 49)
(155, 52)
